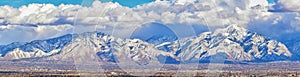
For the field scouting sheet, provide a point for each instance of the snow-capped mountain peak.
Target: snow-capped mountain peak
(89, 46)
(237, 43)
(234, 43)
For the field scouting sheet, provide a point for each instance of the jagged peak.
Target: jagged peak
(232, 40)
(236, 27)
(202, 46)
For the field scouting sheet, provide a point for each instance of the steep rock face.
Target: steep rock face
(236, 43)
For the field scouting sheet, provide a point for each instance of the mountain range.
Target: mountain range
(231, 44)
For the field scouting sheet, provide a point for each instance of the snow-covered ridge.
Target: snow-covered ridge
(20, 54)
(46, 46)
(88, 46)
(235, 42)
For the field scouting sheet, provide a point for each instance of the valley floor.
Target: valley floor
(26, 68)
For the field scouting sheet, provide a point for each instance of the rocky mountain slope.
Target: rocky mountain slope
(234, 44)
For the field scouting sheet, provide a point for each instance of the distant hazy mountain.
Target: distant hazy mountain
(233, 44)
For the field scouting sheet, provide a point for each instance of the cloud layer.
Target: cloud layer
(42, 21)
(287, 5)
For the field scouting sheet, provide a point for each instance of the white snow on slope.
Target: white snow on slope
(20, 54)
(235, 42)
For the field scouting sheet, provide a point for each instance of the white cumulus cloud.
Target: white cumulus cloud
(42, 21)
(286, 5)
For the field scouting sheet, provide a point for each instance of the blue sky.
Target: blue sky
(18, 3)
(33, 15)
(271, 1)
(129, 3)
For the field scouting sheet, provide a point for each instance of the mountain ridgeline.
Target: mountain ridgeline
(231, 44)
